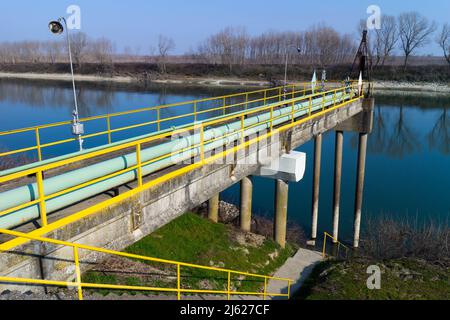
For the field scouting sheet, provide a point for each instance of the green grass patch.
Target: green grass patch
(195, 240)
(401, 279)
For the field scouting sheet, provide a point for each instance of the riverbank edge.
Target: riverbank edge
(379, 86)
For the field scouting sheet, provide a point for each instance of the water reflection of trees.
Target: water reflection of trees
(56, 94)
(403, 140)
(378, 139)
(414, 100)
(394, 135)
(439, 137)
(90, 101)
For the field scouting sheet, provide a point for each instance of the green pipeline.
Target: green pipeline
(229, 133)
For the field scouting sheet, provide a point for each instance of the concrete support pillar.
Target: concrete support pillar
(213, 209)
(281, 204)
(362, 150)
(337, 183)
(316, 187)
(246, 204)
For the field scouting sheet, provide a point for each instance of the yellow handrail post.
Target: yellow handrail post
(202, 143)
(42, 207)
(265, 288)
(195, 111)
(324, 246)
(229, 286)
(78, 272)
(310, 106)
(271, 119)
(279, 95)
(289, 289)
(293, 112)
(158, 114)
(139, 164)
(265, 97)
(224, 106)
(38, 144)
(323, 102)
(334, 99)
(108, 124)
(178, 282)
(246, 101)
(242, 129)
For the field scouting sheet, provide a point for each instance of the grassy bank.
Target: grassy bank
(401, 279)
(413, 257)
(193, 239)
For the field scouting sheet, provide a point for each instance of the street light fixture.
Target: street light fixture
(57, 28)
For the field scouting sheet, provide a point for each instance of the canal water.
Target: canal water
(408, 163)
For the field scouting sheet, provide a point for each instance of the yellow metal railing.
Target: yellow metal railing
(179, 290)
(199, 161)
(338, 245)
(263, 96)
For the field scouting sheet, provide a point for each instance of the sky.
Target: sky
(137, 23)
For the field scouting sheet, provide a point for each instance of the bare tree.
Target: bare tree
(102, 51)
(444, 41)
(165, 45)
(79, 42)
(388, 36)
(229, 47)
(414, 32)
(53, 50)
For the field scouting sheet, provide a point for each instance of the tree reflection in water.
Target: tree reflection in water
(439, 137)
(378, 138)
(403, 141)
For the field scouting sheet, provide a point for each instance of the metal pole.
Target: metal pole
(76, 115)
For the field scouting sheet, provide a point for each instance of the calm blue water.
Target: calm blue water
(408, 164)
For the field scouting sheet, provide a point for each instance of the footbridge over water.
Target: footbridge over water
(112, 195)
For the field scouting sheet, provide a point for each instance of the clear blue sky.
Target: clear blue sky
(139, 22)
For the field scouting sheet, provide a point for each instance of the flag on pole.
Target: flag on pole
(360, 83)
(314, 82)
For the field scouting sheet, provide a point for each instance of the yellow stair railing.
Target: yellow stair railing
(336, 242)
(179, 290)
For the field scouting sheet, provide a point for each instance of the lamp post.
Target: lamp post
(56, 27)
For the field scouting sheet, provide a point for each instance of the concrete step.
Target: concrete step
(297, 268)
